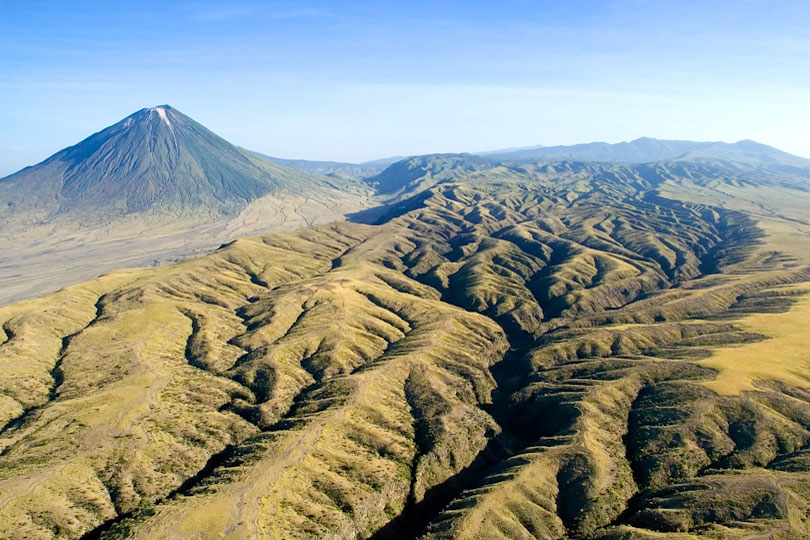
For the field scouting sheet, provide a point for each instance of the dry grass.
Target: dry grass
(783, 356)
(522, 353)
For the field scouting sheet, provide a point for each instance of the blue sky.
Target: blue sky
(360, 80)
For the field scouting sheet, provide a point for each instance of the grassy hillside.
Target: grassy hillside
(566, 350)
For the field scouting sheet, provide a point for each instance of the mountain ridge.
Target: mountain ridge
(649, 149)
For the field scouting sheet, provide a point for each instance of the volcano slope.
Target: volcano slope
(154, 188)
(545, 351)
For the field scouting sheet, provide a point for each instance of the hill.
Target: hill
(155, 186)
(412, 175)
(539, 350)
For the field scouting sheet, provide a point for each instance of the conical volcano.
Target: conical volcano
(153, 188)
(155, 158)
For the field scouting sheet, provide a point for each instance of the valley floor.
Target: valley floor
(49, 257)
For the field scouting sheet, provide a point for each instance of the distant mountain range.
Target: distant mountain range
(646, 149)
(641, 150)
(414, 174)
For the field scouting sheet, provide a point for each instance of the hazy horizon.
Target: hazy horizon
(325, 81)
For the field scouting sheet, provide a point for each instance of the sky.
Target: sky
(354, 81)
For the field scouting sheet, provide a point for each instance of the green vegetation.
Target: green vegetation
(566, 350)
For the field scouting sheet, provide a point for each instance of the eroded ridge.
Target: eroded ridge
(532, 352)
